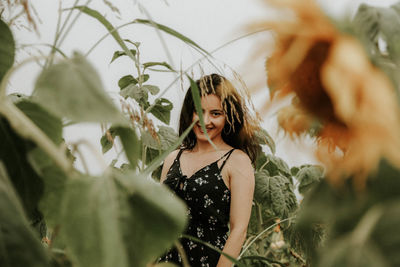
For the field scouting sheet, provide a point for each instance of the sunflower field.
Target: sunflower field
(342, 78)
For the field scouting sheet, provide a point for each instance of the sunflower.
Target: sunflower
(335, 84)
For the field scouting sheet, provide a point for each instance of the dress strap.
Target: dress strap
(226, 156)
(179, 155)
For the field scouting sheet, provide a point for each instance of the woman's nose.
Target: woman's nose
(206, 118)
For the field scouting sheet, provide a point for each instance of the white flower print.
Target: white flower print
(207, 201)
(212, 220)
(200, 181)
(191, 245)
(200, 232)
(203, 261)
(225, 196)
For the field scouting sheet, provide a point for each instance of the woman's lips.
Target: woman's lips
(201, 130)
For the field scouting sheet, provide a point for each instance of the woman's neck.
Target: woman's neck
(206, 146)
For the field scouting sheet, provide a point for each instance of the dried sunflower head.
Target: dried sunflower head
(335, 82)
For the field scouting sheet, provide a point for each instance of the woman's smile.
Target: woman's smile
(214, 118)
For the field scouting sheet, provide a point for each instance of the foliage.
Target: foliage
(123, 218)
(92, 221)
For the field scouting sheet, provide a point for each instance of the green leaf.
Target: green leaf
(154, 211)
(114, 33)
(163, 64)
(105, 219)
(167, 136)
(107, 140)
(275, 193)
(155, 163)
(152, 89)
(19, 245)
(7, 49)
(144, 77)
(162, 110)
(130, 143)
(263, 138)
(90, 222)
(308, 176)
(118, 54)
(277, 166)
(136, 44)
(126, 80)
(48, 123)
(134, 92)
(171, 32)
(73, 89)
(149, 141)
(381, 25)
(54, 180)
(13, 154)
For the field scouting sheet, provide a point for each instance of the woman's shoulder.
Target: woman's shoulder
(239, 155)
(171, 156)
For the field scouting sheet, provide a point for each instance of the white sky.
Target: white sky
(210, 23)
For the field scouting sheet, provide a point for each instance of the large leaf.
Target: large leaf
(13, 153)
(154, 211)
(19, 245)
(49, 173)
(73, 89)
(274, 165)
(308, 176)
(275, 193)
(49, 124)
(119, 220)
(90, 226)
(7, 49)
(263, 138)
(341, 208)
(26, 175)
(54, 180)
(377, 26)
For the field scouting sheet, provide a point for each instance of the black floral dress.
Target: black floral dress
(208, 200)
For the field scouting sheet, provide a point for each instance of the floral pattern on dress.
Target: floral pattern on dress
(208, 201)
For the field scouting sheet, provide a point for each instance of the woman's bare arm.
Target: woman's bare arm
(242, 183)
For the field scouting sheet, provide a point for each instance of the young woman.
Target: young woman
(217, 185)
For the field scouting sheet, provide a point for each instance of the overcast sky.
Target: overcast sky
(210, 23)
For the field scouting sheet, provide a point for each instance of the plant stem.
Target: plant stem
(259, 228)
(27, 129)
(182, 253)
(94, 151)
(261, 233)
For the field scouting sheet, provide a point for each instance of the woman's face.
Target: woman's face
(214, 118)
